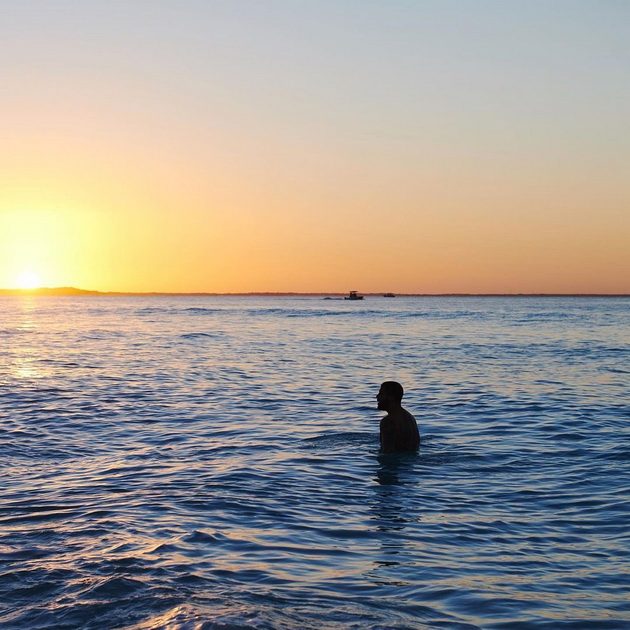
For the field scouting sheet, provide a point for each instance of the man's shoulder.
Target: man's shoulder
(409, 415)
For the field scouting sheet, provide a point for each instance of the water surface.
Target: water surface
(212, 462)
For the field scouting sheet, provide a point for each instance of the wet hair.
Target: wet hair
(393, 388)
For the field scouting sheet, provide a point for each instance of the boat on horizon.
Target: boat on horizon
(353, 295)
(388, 295)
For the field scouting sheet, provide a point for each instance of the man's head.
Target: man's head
(389, 395)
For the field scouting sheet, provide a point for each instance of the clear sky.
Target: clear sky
(316, 145)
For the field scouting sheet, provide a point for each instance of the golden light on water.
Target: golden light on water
(25, 356)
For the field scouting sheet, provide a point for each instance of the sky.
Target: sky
(412, 146)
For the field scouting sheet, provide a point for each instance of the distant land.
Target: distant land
(72, 291)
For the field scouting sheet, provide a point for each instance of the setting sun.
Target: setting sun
(28, 280)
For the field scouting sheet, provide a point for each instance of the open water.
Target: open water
(212, 462)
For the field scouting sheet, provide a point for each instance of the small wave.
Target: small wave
(339, 439)
(203, 537)
(445, 315)
(201, 335)
(8, 332)
(115, 587)
(315, 313)
(544, 317)
(191, 310)
(200, 310)
(102, 334)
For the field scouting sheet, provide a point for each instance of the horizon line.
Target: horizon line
(73, 291)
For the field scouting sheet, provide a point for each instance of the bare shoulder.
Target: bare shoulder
(412, 423)
(408, 415)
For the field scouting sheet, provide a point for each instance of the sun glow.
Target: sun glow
(28, 280)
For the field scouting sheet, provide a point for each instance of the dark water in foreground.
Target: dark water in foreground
(213, 463)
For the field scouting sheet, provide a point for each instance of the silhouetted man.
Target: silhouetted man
(399, 430)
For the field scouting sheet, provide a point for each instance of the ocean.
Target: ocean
(213, 463)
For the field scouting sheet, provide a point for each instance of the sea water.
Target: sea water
(213, 462)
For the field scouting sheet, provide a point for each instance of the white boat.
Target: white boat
(354, 295)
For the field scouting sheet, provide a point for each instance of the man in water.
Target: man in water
(399, 430)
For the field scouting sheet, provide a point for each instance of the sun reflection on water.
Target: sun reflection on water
(25, 353)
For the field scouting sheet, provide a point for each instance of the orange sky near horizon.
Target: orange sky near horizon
(243, 147)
